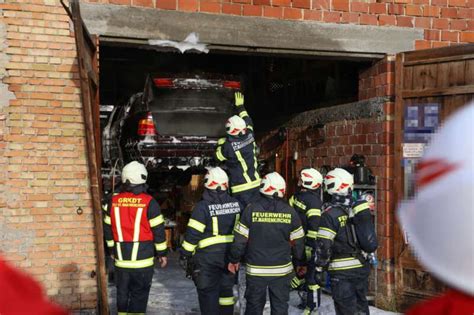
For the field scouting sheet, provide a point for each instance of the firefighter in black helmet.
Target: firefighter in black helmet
(208, 239)
(346, 237)
(268, 233)
(238, 152)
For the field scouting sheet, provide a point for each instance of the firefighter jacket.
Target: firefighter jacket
(211, 224)
(240, 156)
(268, 233)
(307, 204)
(134, 227)
(339, 247)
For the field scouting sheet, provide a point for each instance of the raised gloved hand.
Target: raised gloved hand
(239, 99)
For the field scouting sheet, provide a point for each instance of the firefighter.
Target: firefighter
(307, 203)
(238, 152)
(134, 227)
(346, 237)
(208, 238)
(268, 233)
(438, 221)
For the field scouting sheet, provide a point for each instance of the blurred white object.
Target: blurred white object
(440, 220)
(190, 42)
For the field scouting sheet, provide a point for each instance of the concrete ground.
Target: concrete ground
(172, 294)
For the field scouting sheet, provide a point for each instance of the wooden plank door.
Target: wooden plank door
(430, 85)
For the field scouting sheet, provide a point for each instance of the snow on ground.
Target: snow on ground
(172, 294)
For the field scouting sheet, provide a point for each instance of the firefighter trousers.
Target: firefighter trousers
(133, 288)
(256, 294)
(350, 295)
(214, 284)
(311, 288)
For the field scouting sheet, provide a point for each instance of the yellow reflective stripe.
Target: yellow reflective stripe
(291, 201)
(118, 225)
(157, 221)
(269, 271)
(296, 234)
(237, 220)
(219, 154)
(135, 264)
(119, 252)
(313, 212)
(107, 220)
(312, 234)
(221, 141)
(136, 228)
(360, 208)
(244, 166)
(344, 264)
(313, 287)
(110, 243)
(161, 246)
(224, 301)
(326, 233)
(243, 114)
(219, 239)
(308, 251)
(215, 226)
(242, 230)
(188, 246)
(122, 313)
(198, 226)
(105, 207)
(244, 187)
(255, 163)
(250, 127)
(299, 204)
(135, 250)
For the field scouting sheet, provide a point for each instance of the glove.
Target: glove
(239, 99)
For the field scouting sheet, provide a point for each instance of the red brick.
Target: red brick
(387, 20)
(143, 3)
(423, 22)
(368, 19)
(414, 10)
(449, 36)
(458, 25)
(313, 15)
(340, 5)
(122, 2)
(303, 4)
(360, 7)
(423, 2)
(241, 1)
(440, 44)
(234, 9)
(352, 18)
(467, 37)
(331, 17)
(466, 13)
(210, 7)
(441, 3)
(273, 12)
(422, 44)
(449, 13)
(378, 8)
(404, 21)
(292, 14)
(321, 4)
(397, 9)
(470, 25)
(457, 3)
(188, 5)
(441, 24)
(432, 34)
(261, 2)
(252, 10)
(166, 4)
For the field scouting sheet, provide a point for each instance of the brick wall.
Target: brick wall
(42, 161)
(445, 21)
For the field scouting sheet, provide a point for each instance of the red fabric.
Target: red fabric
(451, 303)
(20, 294)
(129, 203)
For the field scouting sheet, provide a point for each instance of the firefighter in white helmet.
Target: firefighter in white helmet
(238, 152)
(307, 203)
(134, 228)
(439, 220)
(207, 240)
(268, 233)
(346, 237)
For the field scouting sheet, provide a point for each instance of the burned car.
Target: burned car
(174, 123)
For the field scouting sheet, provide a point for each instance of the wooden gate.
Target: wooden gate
(430, 85)
(87, 55)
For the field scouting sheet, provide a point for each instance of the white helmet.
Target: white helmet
(235, 126)
(216, 178)
(273, 184)
(338, 182)
(135, 173)
(439, 221)
(311, 178)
